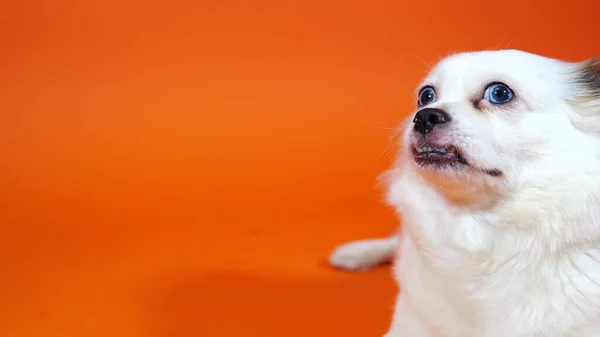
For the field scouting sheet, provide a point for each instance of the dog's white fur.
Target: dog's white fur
(495, 256)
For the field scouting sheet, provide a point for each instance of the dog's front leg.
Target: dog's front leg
(364, 254)
(404, 322)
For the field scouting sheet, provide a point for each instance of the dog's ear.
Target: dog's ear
(589, 76)
(585, 97)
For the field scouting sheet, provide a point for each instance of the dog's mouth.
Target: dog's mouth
(430, 154)
(446, 157)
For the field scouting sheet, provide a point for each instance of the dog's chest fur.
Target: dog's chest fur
(494, 273)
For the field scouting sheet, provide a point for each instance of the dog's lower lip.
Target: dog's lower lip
(433, 154)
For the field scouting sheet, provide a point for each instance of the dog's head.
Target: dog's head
(489, 121)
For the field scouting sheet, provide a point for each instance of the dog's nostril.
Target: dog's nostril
(434, 119)
(426, 119)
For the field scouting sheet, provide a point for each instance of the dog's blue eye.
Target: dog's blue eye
(498, 93)
(426, 96)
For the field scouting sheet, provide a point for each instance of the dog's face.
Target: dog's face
(486, 118)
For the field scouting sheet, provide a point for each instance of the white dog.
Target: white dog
(498, 187)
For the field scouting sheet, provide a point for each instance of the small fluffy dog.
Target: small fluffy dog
(498, 188)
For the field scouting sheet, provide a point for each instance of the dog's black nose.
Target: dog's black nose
(426, 119)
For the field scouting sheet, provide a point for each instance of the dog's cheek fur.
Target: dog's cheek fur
(585, 98)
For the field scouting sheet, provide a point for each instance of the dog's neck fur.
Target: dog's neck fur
(522, 245)
(540, 209)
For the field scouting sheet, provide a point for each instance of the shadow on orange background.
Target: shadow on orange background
(175, 169)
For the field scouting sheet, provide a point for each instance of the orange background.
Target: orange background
(184, 168)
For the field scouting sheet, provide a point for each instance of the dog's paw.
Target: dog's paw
(362, 255)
